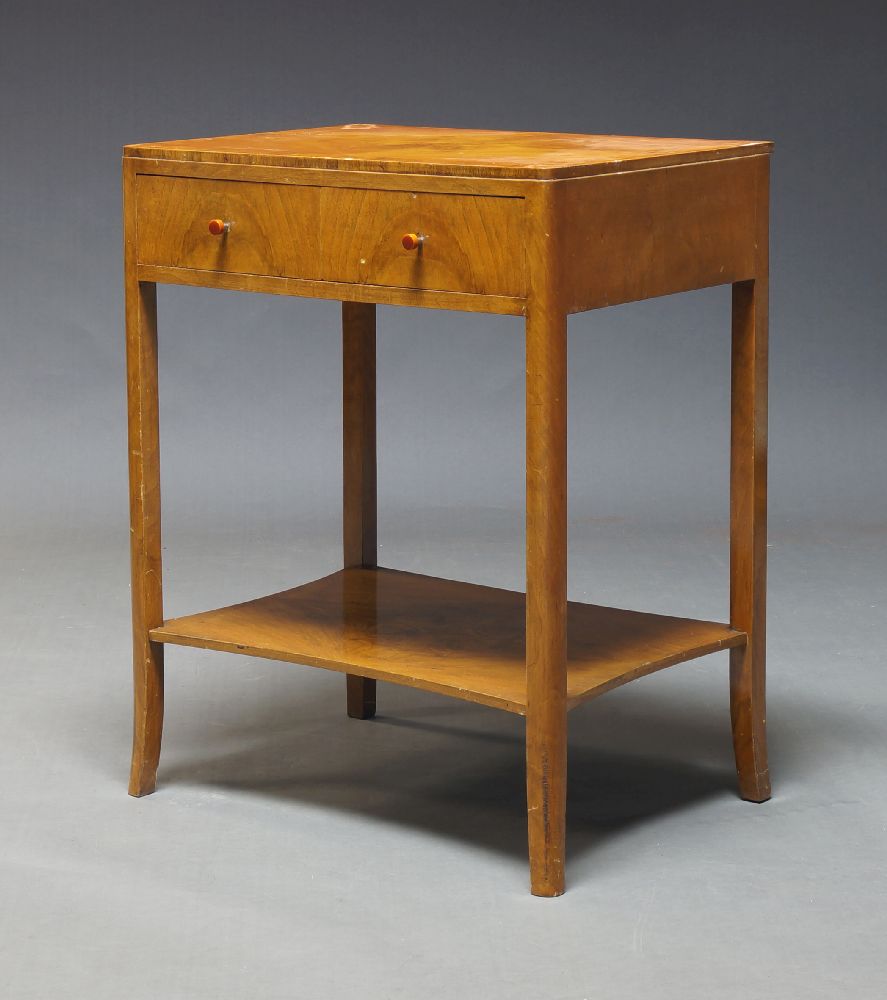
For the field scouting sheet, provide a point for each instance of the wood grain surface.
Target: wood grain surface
(359, 528)
(632, 236)
(419, 298)
(456, 638)
(472, 244)
(275, 228)
(546, 541)
(533, 224)
(748, 514)
(442, 151)
(144, 505)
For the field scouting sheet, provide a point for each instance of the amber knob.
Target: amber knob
(412, 241)
(218, 226)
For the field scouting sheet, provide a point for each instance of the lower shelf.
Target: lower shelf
(459, 639)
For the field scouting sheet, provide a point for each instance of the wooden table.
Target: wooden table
(538, 225)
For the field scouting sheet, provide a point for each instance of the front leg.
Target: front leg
(546, 625)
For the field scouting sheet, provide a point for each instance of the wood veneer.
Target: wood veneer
(537, 225)
(455, 638)
(474, 243)
(449, 151)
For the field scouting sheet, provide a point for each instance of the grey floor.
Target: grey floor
(291, 852)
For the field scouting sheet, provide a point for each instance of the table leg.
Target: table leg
(144, 501)
(546, 628)
(359, 465)
(748, 535)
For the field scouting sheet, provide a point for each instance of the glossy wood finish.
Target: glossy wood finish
(359, 466)
(546, 539)
(748, 518)
(537, 225)
(448, 151)
(501, 187)
(337, 290)
(636, 235)
(275, 228)
(470, 244)
(144, 509)
(455, 638)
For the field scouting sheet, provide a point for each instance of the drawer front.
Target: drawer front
(470, 243)
(274, 228)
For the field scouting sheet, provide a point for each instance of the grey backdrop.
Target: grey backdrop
(289, 852)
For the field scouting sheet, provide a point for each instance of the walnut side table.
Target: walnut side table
(538, 225)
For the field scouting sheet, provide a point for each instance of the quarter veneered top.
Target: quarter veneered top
(448, 151)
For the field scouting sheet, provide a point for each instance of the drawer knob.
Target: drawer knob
(412, 241)
(218, 226)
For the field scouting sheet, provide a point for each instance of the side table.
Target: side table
(538, 225)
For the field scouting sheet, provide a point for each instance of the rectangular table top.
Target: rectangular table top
(447, 151)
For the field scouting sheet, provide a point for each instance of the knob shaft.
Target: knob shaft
(218, 226)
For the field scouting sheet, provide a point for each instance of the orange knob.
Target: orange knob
(218, 226)
(411, 241)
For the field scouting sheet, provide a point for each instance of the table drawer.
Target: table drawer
(274, 228)
(471, 243)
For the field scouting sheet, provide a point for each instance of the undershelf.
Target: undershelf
(458, 639)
